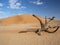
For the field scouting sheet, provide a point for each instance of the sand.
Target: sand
(10, 36)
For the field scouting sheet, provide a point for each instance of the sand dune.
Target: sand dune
(10, 36)
(25, 18)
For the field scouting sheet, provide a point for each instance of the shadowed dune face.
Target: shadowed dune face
(12, 25)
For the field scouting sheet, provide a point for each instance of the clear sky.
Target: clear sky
(43, 8)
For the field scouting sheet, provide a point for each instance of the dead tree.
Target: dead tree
(43, 26)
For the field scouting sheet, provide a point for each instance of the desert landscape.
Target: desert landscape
(11, 26)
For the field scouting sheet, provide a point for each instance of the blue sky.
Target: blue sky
(43, 8)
